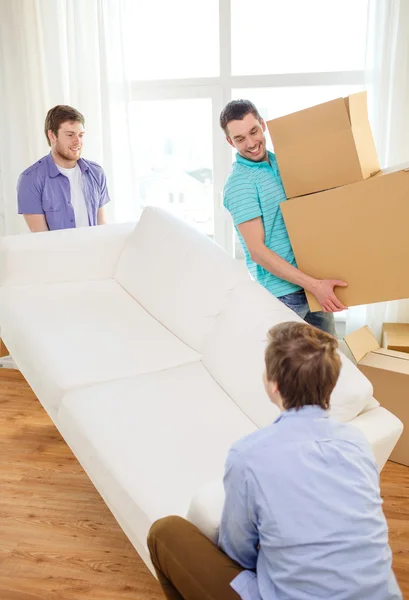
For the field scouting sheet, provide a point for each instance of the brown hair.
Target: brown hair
(58, 115)
(236, 110)
(304, 362)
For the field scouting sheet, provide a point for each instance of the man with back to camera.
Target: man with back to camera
(302, 516)
(63, 190)
(253, 194)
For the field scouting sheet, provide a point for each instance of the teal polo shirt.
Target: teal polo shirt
(255, 189)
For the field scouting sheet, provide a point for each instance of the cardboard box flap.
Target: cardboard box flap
(386, 362)
(361, 342)
(396, 336)
(392, 353)
(361, 130)
(310, 122)
(357, 108)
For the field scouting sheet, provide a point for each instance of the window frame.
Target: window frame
(219, 91)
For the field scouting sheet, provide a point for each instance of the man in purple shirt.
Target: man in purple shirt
(62, 190)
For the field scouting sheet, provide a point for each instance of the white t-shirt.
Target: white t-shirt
(77, 195)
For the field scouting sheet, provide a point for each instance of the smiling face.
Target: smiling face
(66, 146)
(247, 136)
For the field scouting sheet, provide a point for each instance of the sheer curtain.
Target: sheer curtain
(64, 52)
(387, 82)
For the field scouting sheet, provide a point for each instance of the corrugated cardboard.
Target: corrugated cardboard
(357, 233)
(3, 349)
(324, 146)
(388, 371)
(395, 336)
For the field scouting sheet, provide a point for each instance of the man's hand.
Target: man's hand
(323, 290)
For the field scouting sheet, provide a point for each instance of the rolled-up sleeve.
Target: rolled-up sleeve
(238, 534)
(103, 194)
(29, 198)
(241, 200)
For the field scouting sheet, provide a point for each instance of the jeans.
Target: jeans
(297, 301)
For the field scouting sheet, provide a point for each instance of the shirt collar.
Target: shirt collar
(250, 163)
(53, 169)
(306, 412)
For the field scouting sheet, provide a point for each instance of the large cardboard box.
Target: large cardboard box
(395, 336)
(358, 233)
(324, 146)
(388, 371)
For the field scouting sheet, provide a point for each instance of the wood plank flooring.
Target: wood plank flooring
(59, 541)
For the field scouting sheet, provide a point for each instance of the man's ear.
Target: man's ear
(230, 141)
(263, 124)
(51, 136)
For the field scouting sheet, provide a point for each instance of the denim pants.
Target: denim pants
(297, 301)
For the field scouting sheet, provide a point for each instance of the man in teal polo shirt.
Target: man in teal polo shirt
(253, 194)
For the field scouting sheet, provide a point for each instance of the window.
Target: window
(279, 101)
(284, 55)
(296, 36)
(185, 43)
(173, 159)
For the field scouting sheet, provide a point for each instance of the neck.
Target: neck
(61, 161)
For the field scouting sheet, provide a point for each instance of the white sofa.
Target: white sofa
(145, 346)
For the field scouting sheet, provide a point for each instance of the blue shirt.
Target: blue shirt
(303, 513)
(255, 189)
(43, 190)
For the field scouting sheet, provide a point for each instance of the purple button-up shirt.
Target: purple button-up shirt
(43, 190)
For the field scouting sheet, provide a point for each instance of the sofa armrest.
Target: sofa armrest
(206, 507)
(382, 430)
(64, 255)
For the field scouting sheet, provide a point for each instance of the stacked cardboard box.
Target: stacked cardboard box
(346, 219)
(388, 371)
(395, 336)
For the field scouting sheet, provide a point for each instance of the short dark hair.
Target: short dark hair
(236, 110)
(58, 115)
(304, 362)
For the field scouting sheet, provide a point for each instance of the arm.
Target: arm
(101, 217)
(238, 535)
(36, 222)
(29, 200)
(254, 235)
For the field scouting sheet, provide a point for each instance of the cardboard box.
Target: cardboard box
(388, 371)
(324, 146)
(3, 349)
(357, 233)
(395, 336)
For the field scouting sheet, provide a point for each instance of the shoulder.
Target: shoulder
(251, 444)
(94, 167)
(35, 169)
(241, 178)
(348, 433)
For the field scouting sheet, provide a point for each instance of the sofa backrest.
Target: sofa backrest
(234, 355)
(177, 274)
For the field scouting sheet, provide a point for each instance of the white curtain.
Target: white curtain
(64, 52)
(387, 82)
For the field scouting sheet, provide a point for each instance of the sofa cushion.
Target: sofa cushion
(234, 355)
(178, 274)
(149, 442)
(68, 335)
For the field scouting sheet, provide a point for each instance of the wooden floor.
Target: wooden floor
(57, 538)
